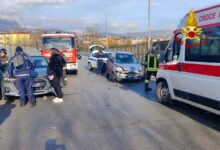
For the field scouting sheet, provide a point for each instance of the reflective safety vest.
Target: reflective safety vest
(151, 62)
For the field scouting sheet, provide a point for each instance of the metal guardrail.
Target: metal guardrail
(137, 50)
(11, 49)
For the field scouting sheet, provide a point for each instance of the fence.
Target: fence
(138, 50)
(11, 49)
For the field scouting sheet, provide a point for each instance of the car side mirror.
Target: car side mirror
(170, 49)
(175, 57)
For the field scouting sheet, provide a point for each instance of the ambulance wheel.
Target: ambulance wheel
(90, 66)
(163, 93)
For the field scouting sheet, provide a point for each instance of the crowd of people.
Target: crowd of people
(20, 68)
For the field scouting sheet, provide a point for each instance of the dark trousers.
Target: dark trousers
(99, 66)
(24, 84)
(2, 87)
(148, 76)
(55, 83)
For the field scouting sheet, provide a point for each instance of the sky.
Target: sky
(76, 15)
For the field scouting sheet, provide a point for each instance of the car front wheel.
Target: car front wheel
(90, 66)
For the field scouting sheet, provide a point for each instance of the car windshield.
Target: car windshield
(126, 59)
(58, 42)
(39, 61)
(106, 55)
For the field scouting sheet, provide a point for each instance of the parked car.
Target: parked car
(95, 48)
(92, 60)
(124, 66)
(41, 83)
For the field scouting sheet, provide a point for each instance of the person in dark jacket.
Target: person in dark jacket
(55, 73)
(100, 62)
(1, 80)
(4, 58)
(23, 75)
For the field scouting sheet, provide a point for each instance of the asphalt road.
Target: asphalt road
(100, 115)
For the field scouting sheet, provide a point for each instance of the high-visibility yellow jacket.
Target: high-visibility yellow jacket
(151, 62)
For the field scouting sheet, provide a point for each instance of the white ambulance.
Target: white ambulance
(190, 72)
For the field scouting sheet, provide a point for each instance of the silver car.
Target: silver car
(123, 66)
(41, 83)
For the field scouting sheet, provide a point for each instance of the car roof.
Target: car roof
(121, 52)
(96, 51)
(37, 56)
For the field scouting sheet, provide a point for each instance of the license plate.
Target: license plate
(131, 75)
(37, 85)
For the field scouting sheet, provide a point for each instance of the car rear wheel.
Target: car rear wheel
(90, 66)
(163, 93)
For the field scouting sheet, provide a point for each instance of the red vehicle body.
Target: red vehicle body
(66, 44)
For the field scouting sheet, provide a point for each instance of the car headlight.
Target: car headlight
(141, 71)
(119, 69)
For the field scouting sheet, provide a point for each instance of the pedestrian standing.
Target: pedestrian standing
(20, 67)
(4, 58)
(100, 62)
(3, 67)
(55, 73)
(151, 67)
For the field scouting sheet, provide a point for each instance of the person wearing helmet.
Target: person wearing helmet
(151, 66)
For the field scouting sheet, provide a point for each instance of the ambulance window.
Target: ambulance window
(177, 46)
(205, 49)
(169, 52)
(173, 49)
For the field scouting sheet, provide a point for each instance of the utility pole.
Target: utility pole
(149, 38)
(106, 29)
(94, 35)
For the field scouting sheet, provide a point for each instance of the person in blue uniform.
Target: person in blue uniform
(20, 67)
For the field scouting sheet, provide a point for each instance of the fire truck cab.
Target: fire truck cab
(190, 71)
(66, 44)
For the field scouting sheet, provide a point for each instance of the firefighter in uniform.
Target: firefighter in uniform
(151, 67)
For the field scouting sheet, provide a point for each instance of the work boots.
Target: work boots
(146, 88)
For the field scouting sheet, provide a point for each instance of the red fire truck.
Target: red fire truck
(66, 44)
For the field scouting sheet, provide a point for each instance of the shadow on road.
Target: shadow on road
(52, 145)
(5, 110)
(204, 117)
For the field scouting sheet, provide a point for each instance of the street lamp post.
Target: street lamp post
(106, 26)
(149, 38)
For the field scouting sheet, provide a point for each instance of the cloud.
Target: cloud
(130, 26)
(155, 4)
(43, 2)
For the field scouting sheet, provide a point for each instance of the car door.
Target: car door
(94, 60)
(173, 63)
